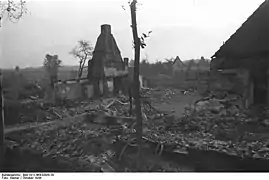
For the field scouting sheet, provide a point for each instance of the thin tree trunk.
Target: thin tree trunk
(82, 64)
(2, 124)
(80, 69)
(136, 87)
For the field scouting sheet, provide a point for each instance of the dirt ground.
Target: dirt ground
(177, 104)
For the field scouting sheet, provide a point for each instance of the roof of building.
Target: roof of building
(177, 60)
(251, 39)
(106, 45)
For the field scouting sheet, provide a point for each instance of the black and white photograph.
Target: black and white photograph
(133, 86)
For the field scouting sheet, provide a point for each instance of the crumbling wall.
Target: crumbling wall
(72, 91)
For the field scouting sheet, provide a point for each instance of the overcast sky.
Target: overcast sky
(185, 28)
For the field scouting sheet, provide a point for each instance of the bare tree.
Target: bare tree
(51, 65)
(169, 60)
(83, 51)
(137, 44)
(17, 68)
(12, 9)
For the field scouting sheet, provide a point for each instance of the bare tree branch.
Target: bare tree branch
(83, 51)
(13, 10)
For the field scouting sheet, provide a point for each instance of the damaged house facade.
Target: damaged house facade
(244, 58)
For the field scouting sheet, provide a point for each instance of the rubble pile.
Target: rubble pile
(216, 124)
(83, 143)
(212, 123)
(75, 144)
(38, 111)
(91, 145)
(168, 94)
(31, 91)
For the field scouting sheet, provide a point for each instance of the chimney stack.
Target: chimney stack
(126, 62)
(106, 29)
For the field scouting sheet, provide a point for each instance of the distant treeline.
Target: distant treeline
(166, 67)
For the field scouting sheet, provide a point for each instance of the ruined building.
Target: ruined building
(107, 64)
(108, 73)
(246, 55)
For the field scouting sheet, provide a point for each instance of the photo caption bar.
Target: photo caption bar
(31, 176)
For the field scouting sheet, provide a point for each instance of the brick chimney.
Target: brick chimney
(106, 29)
(126, 63)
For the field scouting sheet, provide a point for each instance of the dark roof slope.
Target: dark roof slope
(251, 39)
(177, 59)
